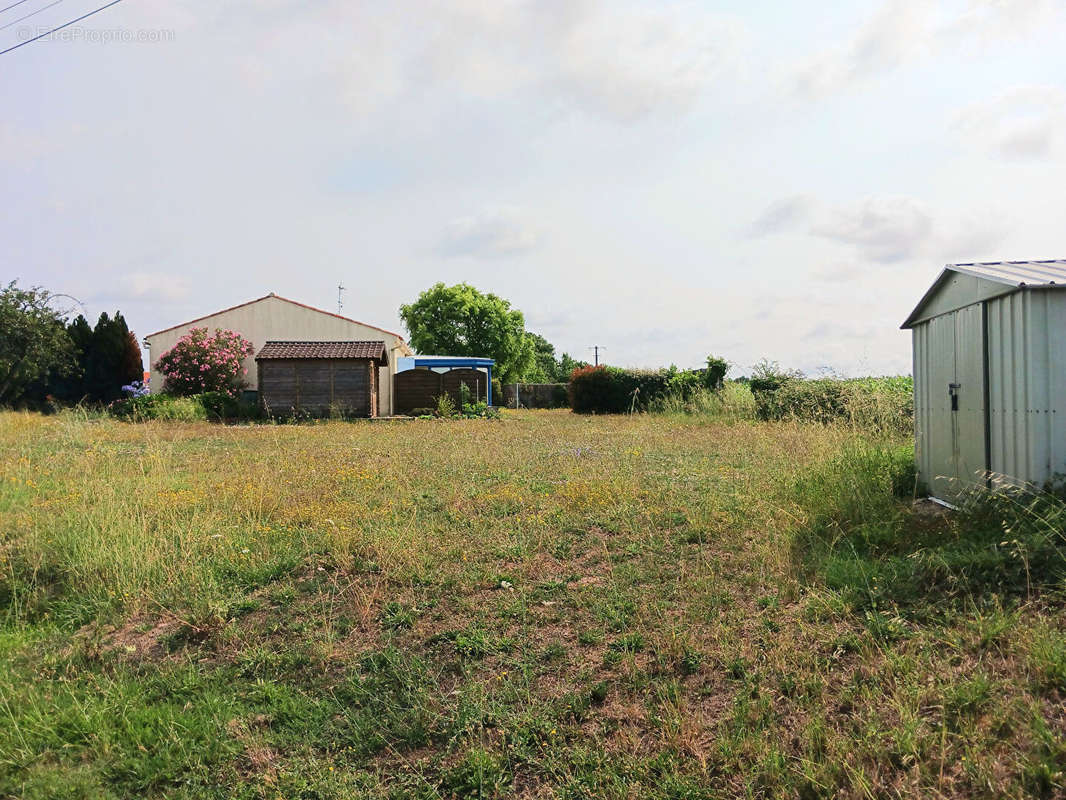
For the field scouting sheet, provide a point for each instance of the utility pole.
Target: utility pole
(596, 353)
(340, 303)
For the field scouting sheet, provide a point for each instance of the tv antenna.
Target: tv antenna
(340, 302)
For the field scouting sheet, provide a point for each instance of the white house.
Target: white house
(274, 318)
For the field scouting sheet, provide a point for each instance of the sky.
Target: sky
(756, 179)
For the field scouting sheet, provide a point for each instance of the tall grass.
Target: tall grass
(548, 605)
(882, 406)
(734, 401)
(856, 535)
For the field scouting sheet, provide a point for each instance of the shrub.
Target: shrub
(768, 376)
(224, 406)
(205, 362)
(714, 374)
(445, 405)
(592, 390)
(136, 389)
(217, 406)
(159, 406)
(560, 395)
(610, 390)
(882, 405)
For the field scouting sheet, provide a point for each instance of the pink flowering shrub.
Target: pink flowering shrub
(205, 362)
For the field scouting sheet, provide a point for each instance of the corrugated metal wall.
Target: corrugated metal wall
(950, 445)
(1027, 385)
(934, 368)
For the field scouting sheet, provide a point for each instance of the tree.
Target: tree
(566, 367)
(70, 387)
(111, 359)
(132, 363)
(34, 344)
(544, 368)
(205, 362)
(714, 374)
(461, 321)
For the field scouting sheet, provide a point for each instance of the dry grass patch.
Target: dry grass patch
(543, 606)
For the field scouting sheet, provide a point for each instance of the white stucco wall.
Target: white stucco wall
(274, 318)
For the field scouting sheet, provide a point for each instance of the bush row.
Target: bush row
(611, 390)
(883, 404)
(204, 406)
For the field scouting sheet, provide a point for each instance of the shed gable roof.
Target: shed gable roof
(1004, 277)
(272, 350)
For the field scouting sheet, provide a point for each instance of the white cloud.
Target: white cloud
(897, 32)
(994, 20)
(1022, 123)
(884, 229)
(904, 31)
(492, 233)
(782, 215)
(625, 65)
(892, 229)
(616, 63)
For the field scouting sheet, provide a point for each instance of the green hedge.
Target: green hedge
(217, 406)
(611, 390)
(884, 404)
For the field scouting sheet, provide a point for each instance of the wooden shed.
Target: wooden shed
(320, 378)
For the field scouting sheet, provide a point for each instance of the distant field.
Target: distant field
(550, 605)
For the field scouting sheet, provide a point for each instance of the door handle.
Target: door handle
(953, 392)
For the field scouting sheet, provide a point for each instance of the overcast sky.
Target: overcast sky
(753, 179)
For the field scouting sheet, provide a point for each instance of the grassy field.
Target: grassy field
(549, 605)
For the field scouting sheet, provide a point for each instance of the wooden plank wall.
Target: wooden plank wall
(318, 386)
(420, 388)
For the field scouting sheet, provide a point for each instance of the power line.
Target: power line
(32, 14)
(19, 3)
(61, 27)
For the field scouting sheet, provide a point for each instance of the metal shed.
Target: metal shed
(320, 378)
(989, 344)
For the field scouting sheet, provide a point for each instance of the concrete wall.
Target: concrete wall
(275, 318)
(536, 395)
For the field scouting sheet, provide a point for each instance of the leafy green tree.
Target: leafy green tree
(544, 368)
(461, 321)
(34, 344)
(566, 367)
(714, 374)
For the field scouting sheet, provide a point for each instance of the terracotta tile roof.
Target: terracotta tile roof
(323, 350)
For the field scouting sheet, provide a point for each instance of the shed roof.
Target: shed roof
(1017, 273)
(272, 350)
(1012, 275)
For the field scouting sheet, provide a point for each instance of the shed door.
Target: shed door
(956, 417)
(970, 448)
